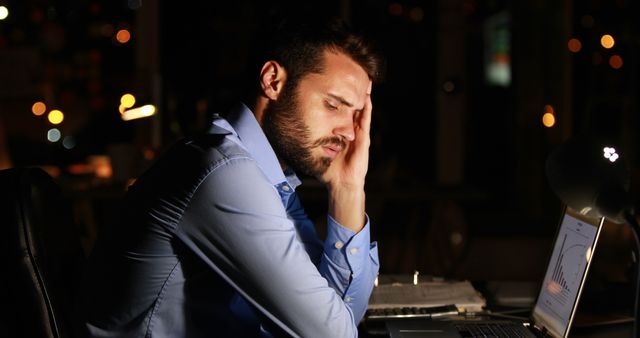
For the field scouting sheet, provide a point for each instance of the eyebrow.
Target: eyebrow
(341, 99)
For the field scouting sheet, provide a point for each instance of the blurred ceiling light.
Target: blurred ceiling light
(127, 101)
(548, 118)
(615, 61)
(55, 116)
(574, 45)
(610, 154)
(53, 135)
(140, 112)
(4, 12)
(123, 36)
(607, 41)
(38, 108)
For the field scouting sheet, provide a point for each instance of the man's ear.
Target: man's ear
(272, 78)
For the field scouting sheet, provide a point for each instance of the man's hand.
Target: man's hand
(345, 176)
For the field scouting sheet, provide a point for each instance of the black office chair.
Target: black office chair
(41, 255)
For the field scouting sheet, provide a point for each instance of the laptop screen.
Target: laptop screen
(566, 272)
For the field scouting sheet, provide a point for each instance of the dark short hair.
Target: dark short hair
(298, 41)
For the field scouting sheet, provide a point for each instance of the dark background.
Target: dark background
(456, 184)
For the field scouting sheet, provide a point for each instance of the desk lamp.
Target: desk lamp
(593, 179)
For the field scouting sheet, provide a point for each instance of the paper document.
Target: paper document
(462, 294)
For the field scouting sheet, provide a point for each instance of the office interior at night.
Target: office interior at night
(475, 96)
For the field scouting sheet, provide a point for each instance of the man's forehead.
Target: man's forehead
(344, 80)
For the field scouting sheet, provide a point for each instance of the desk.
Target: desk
(620, 330)
(594, 309)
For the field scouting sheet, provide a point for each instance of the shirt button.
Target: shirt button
(339, 245)
(353, 251)
(347, 299)
(285, 188)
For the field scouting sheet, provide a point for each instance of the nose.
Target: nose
(345, 129)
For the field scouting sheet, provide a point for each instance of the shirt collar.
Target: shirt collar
(255, 141)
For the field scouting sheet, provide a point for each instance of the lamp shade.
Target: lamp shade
(591, 177)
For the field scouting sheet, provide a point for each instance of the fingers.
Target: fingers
(365, 118)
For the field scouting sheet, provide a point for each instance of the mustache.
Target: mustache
(333, 140)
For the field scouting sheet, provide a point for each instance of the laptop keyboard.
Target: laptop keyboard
(491, 330)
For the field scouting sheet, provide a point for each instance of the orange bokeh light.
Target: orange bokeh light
(615, 61)
(123, 36)
(548, 120)
(38, 108)
(574, 45)
(607, 41)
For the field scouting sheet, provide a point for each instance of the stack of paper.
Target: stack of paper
(462, 294)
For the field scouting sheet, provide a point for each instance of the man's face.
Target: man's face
(311, 124)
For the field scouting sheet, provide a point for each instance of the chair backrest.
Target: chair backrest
(41, 255)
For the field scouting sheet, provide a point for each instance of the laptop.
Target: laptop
(557, 299)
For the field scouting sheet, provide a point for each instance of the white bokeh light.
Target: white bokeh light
(53, 135)
(610, 154)
(4, 12)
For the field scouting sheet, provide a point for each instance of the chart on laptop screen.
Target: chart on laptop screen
(566, 270)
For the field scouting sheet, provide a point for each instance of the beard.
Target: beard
(290, 136)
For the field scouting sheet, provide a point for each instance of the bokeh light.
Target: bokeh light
(123, 36)
(610, 154)
(574, 45)
(53, 135)
(4, 12)
(69, 142)
(127, 100)
(38, 108)
(615, 61)
(607, 41)
(139, 112)
(55, 116)
(549, 118)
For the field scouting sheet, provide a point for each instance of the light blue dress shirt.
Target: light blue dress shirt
(214, 242)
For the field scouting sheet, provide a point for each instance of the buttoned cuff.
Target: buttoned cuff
(346, 249)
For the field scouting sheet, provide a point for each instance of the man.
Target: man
(214, 241)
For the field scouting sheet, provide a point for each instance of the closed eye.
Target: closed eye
(330, 106)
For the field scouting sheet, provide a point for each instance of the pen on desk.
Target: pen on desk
(433, 312)
(445, 311)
